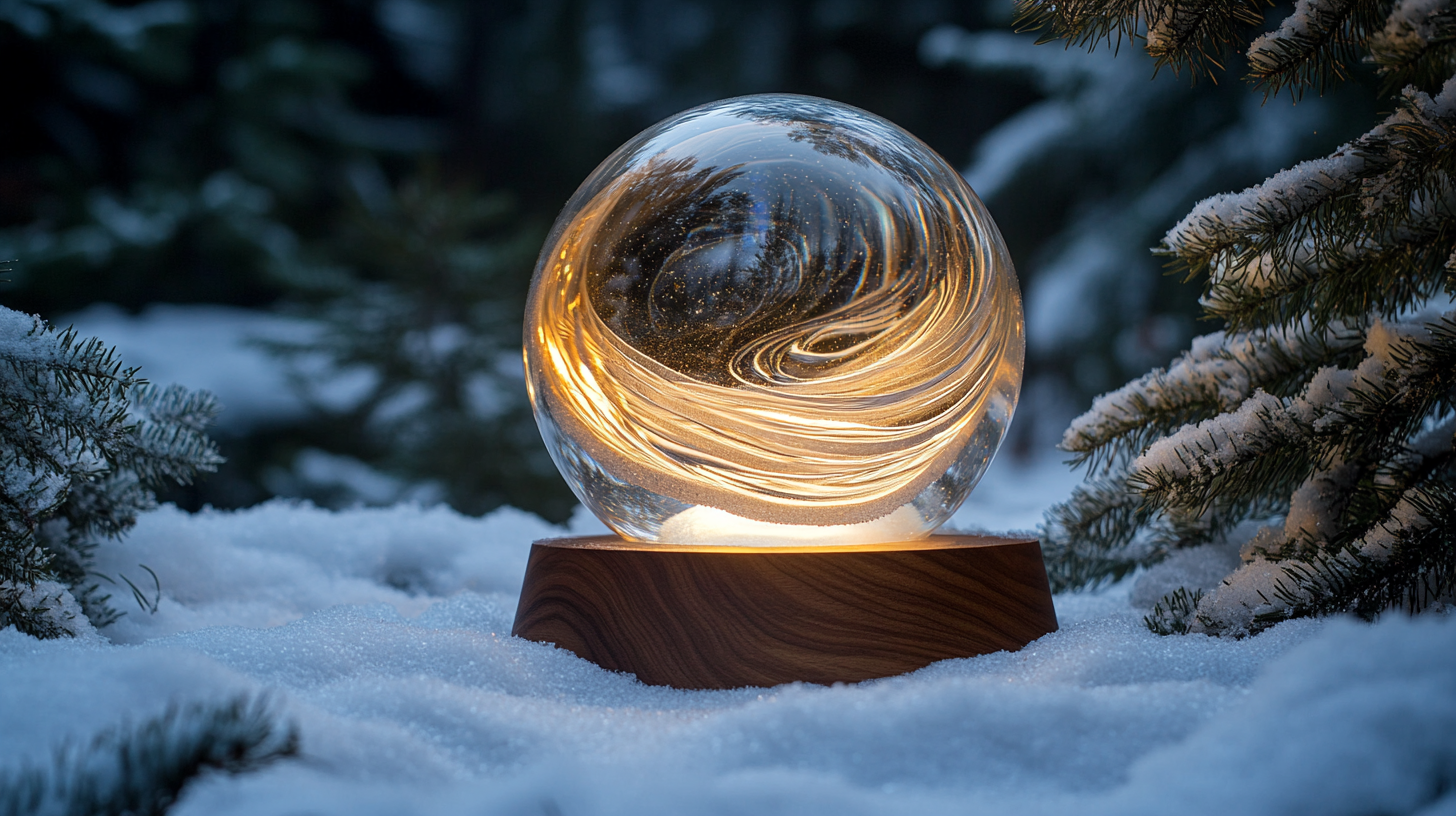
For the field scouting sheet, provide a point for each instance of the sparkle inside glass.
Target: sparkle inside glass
(774, 320)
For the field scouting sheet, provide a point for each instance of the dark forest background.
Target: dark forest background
(385, 170)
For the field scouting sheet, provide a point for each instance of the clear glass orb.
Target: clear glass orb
(774, 320)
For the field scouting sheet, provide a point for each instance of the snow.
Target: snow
(384, 634)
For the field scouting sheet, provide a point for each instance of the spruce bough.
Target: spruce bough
(1324, 409)
(82, 442)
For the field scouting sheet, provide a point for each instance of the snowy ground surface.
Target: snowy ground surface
(385, 634)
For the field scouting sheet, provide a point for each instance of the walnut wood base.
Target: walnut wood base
(713, 619)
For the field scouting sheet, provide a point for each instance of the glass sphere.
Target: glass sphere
(774, 320)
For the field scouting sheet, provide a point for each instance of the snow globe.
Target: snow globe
(773, 342)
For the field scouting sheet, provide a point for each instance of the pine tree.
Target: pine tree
(82, 443)
(1325, 407)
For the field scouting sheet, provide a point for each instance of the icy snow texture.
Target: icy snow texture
(385, 634)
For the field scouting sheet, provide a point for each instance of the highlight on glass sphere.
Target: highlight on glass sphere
(774, 320)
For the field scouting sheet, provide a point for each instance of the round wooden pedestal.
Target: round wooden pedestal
(724, 618)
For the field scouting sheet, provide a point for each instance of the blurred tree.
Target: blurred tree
(417, 361)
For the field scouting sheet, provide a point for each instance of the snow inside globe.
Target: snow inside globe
(774, 321)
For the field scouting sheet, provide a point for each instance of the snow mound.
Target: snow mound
(384, 633)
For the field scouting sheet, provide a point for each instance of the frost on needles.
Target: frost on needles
(82, 442)
(1324, 411)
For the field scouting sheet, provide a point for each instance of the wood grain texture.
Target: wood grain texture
(700, 619)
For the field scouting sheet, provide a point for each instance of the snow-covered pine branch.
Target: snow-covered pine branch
(1417, 45)
(1242, 451)
(1368, 229)
(1314, 45)
(1190, 35)
(1334, 450)
(1281, 420)
(1405, 560)
(142, 770)
(1215, 375)
(1365, 414)
(81, 441)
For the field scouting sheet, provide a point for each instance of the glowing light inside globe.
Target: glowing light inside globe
(774, 320)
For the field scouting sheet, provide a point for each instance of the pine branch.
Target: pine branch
(1409, 377)
(1313, 47)
(1417, 46)
(1182, 34)
(1369, 229)
(1345, 285)
(1330, 398)
(1216, 375)
(1190, 35)
(143, 770)
(1084, 23)
(1175, 613)
(1092, 537)
(1407, 561)
(1262, 446)
(81, 442)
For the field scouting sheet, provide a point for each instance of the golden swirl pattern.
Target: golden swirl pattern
(779, 307)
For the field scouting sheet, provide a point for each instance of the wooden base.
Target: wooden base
(712, 619)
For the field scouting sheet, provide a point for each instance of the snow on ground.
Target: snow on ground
(385, 634)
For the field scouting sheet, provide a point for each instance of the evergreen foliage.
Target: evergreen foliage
(82, 443)
(1325, 408)
(142, 770)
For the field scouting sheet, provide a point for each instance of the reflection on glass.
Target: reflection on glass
(774, 319)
